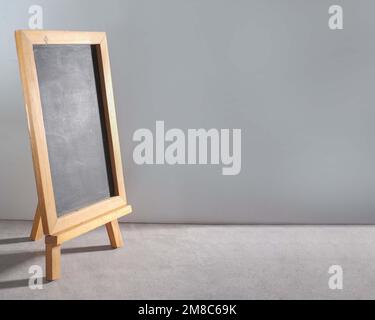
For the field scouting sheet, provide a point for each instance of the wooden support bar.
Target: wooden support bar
(70, 233)
(37, 229)
(53, 261)
(114, 234)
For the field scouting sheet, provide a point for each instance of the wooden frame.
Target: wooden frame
(61, 229)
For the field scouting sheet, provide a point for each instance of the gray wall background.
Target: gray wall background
(302, 94)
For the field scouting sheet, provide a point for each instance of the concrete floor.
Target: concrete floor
(196, 262)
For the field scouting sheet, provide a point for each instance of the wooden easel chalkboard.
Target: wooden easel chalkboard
(72, 124)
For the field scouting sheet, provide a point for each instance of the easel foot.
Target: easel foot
(114, 234)
(53, 261)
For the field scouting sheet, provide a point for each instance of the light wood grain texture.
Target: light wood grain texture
(68, 234)
(37, 229)
(63, 37)
(74, 219)
(110, 118)
(38, 140)
(53, 257)
(114, 234)
(73, 224)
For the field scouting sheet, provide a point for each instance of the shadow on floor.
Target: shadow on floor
(21, 283)
(14, 240)
(12, 260)
(85, 249)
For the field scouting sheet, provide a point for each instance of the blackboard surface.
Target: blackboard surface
(74, 124)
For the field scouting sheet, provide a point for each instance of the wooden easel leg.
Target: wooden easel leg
(53, 262)
(114, 234)
(37, 230)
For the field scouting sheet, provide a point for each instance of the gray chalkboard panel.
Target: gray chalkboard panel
(74, 123)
